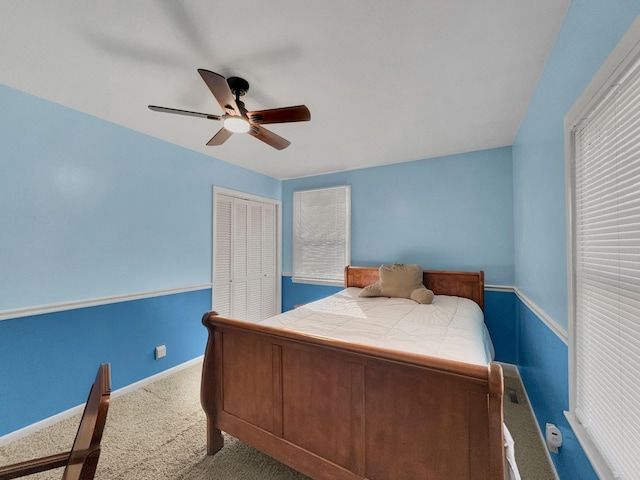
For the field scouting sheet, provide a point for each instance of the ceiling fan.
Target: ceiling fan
(236, 118)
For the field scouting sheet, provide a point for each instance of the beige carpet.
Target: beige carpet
(158, 432)
(532, 455)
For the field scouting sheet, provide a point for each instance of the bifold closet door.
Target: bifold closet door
(245, 284)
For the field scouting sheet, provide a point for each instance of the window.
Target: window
(604, 171)
(321, 235)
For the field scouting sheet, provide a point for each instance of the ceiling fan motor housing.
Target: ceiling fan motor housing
(239, 86)
(236, 118)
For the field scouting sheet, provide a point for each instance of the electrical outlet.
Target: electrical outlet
(161, 351)
(554, 437)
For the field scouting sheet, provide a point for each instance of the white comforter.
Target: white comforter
(451, 327)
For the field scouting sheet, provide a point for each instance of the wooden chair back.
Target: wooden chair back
(81, 462)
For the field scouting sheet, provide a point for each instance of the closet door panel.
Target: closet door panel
(239, 282)
(269, 297)
(245, 254)
(255, 300)
(255, 240)
(222, 256)
(269, 261)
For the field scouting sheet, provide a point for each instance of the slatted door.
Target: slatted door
(245, 259)
(270, 291)
(222, 255)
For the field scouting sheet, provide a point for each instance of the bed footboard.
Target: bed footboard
(334, 410)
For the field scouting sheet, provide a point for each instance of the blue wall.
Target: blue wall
(544, 368)
(299, 293)
(90, 210)
(49, 361)
(590, 31)
(453, 212)
(501, 318)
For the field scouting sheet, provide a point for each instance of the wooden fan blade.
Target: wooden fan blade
(299, 113)
(155, 108)
(220, 89)
(270, 138)
(220, 137)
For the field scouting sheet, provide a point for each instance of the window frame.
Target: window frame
(313, 279)
(621, 58)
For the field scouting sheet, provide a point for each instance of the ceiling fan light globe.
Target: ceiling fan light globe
(236, 124)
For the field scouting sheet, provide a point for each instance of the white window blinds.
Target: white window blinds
(606, 249)
(321, 235)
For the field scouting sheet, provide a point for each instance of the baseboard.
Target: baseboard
(34, 427)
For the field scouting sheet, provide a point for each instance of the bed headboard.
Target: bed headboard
(440, 282)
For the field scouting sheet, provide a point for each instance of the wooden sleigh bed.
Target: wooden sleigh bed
(337, 410)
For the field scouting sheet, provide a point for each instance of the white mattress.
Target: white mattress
(451, 327)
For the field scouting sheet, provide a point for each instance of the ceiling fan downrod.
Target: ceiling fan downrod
(238, 86)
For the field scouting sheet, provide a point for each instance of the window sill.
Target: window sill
(314, 281)
(597, 461)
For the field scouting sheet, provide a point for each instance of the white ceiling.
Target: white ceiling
(385, 81)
